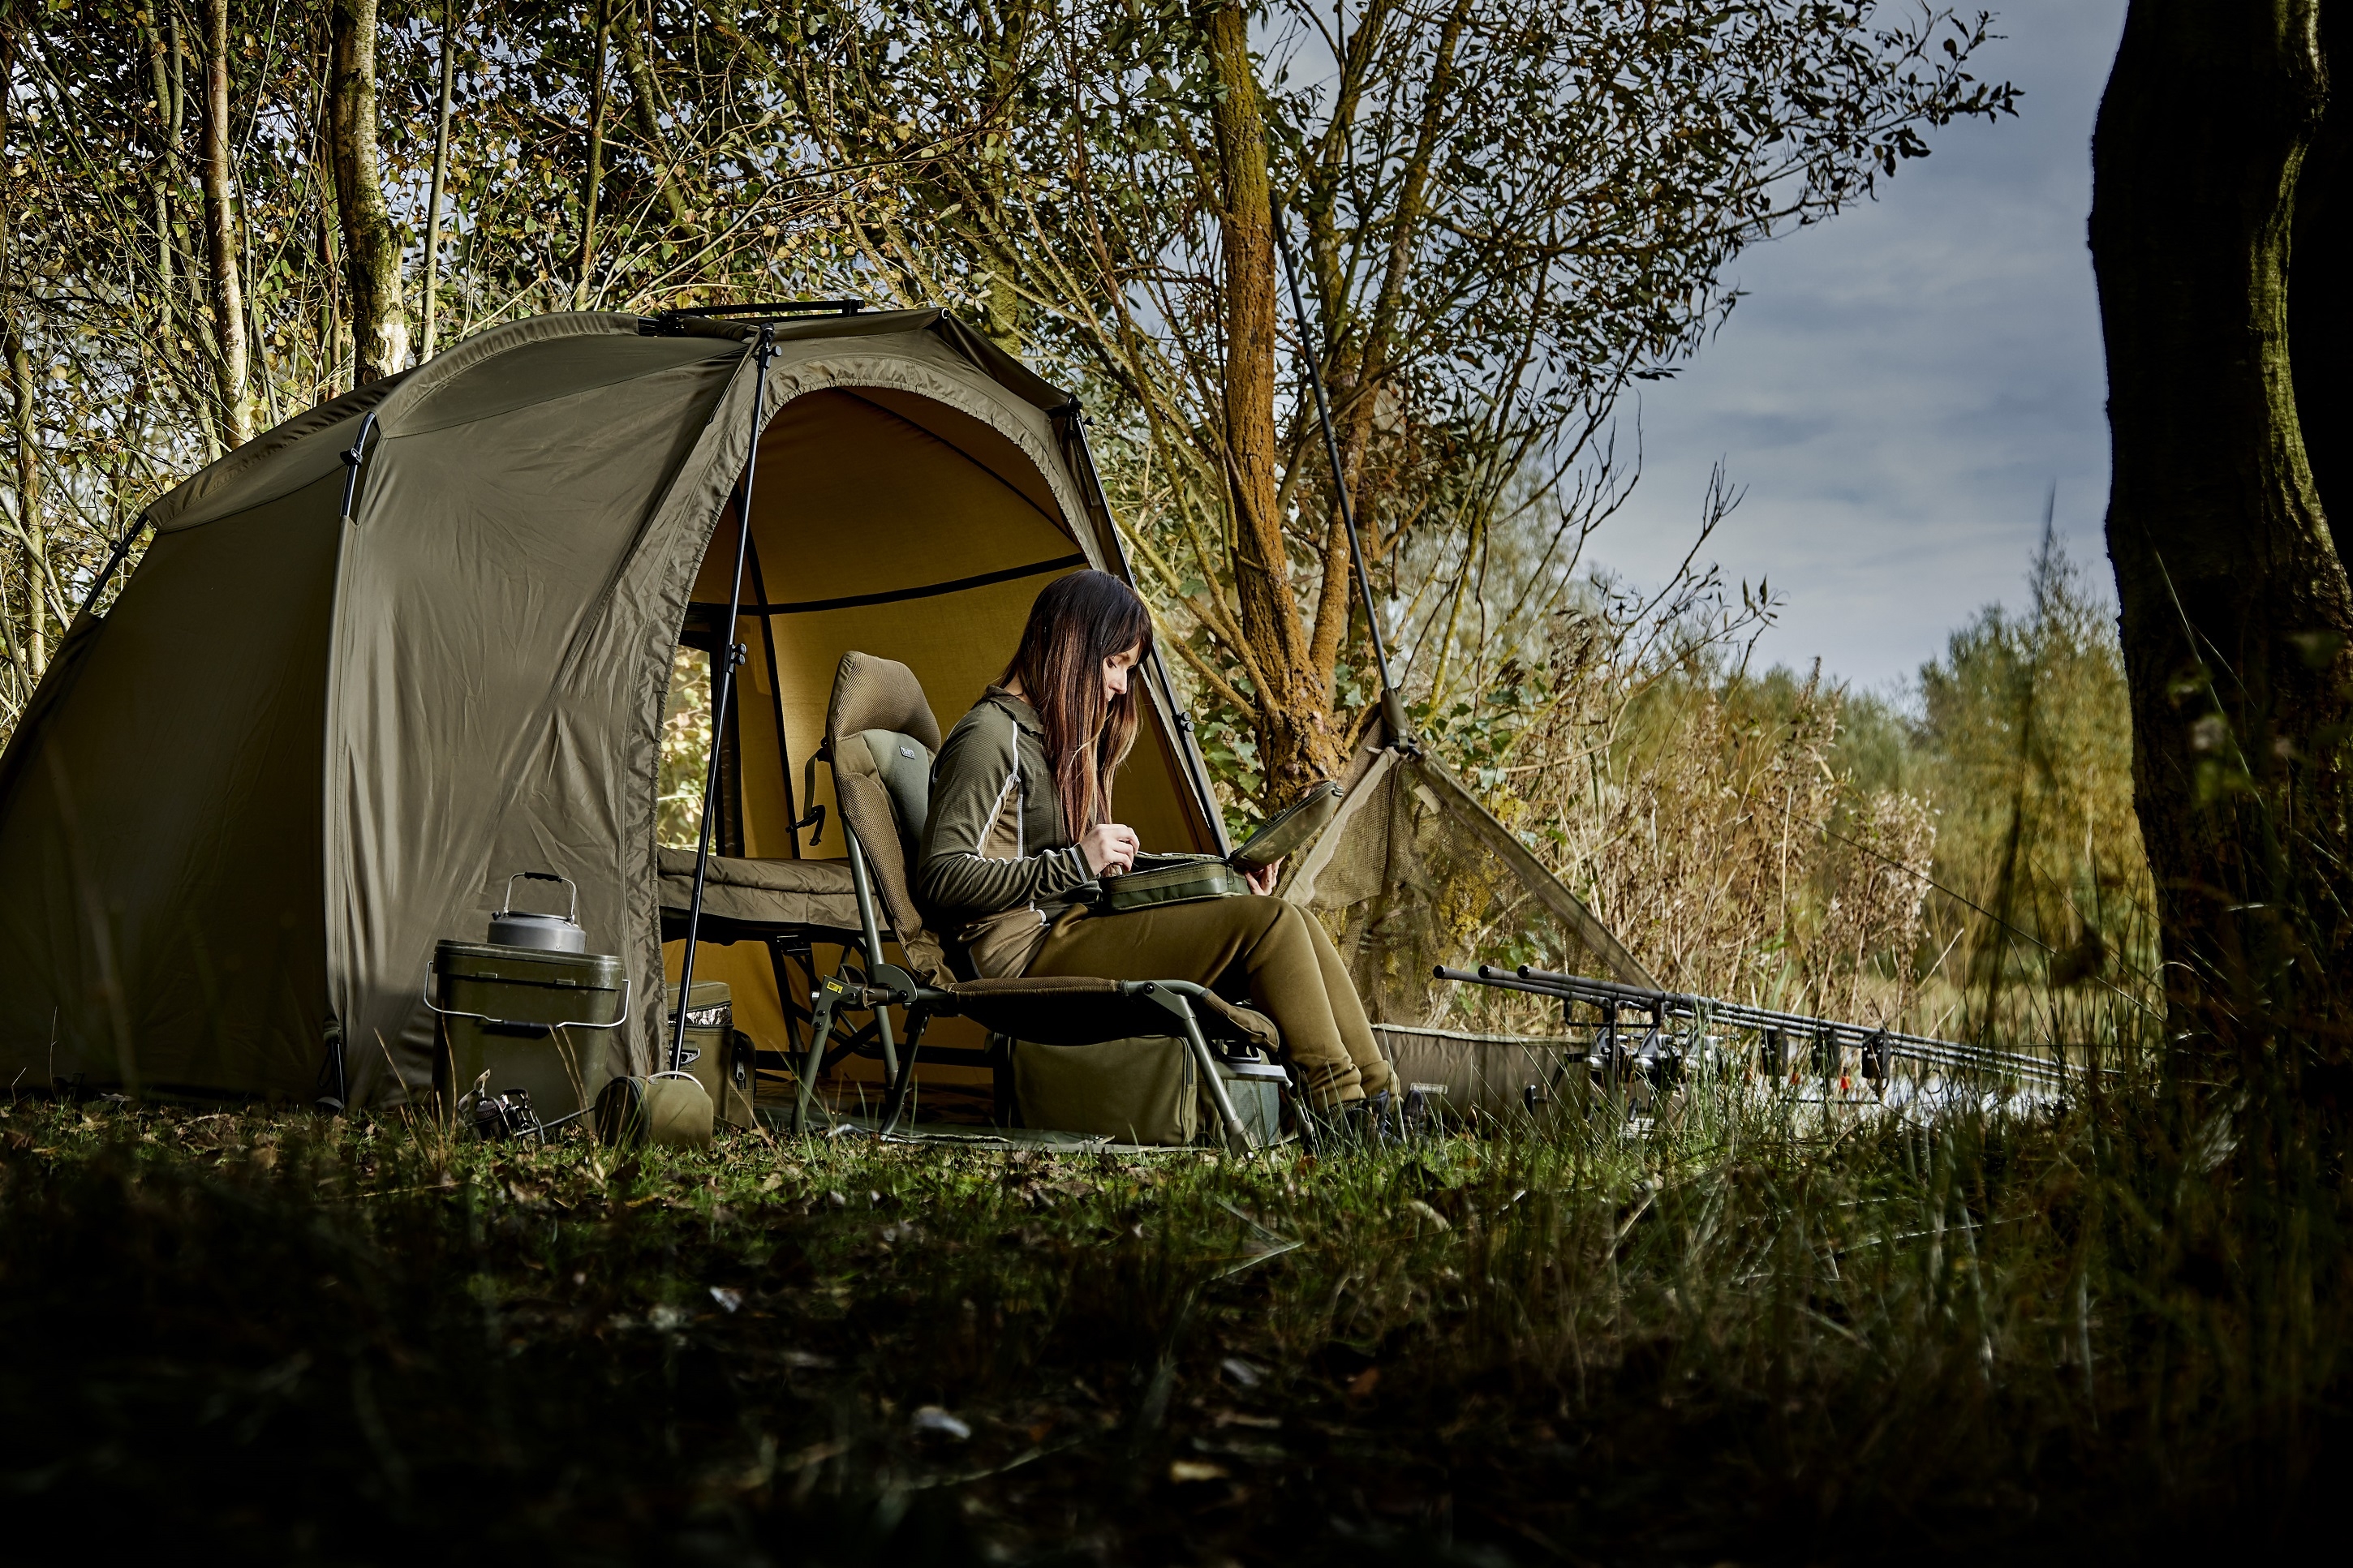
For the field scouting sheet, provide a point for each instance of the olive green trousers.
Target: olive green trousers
(1293, 975)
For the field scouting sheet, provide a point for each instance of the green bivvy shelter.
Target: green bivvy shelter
(421, 637)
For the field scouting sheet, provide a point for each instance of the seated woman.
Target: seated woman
(1001, 868)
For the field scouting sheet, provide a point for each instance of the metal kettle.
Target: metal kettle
(511, 927)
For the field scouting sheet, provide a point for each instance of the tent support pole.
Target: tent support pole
(1392, 701)
(1187, 748)
(722, 689)
(113, 559)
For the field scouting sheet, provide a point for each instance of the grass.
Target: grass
(1743, 1334)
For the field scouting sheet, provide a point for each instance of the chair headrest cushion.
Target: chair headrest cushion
(870, 694)
(904, 765)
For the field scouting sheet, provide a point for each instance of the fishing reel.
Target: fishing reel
(494, 1118)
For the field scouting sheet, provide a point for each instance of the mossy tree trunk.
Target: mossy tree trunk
(2237, 617)
(370, 248)
(225, 275)
(1298, 742)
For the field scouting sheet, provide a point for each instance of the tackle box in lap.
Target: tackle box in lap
(1172, 879)
(1157, 879)
(718, 1054)
(535, 1020)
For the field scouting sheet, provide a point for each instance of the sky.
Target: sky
(1903, 386)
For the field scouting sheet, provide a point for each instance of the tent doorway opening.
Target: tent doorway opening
(885, 522)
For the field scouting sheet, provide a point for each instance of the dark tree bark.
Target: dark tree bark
(2319, 304)
(371, 249)
(224, 273)
(592, 183)
(643, 110)
(2237, 617)
(1297, 744)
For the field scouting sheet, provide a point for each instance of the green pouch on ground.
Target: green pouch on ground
(1137, 1091)
(1181, 878)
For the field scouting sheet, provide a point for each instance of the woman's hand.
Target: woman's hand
(1110, 849)
(1261, 881)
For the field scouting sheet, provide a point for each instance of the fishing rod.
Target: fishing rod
(1392, 701)
(1828, 1037)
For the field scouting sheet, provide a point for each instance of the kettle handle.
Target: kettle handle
(543, 877)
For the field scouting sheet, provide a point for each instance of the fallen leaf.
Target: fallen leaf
(931, 1421)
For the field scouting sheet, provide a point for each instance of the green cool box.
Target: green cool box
(533, 1020)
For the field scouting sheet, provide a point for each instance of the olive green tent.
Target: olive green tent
(421, 637)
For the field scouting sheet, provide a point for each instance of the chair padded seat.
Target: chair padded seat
(813, 895)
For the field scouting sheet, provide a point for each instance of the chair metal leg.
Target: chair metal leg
(862, 883)
(1173, 1001)
(829, 991)
(896, 1101)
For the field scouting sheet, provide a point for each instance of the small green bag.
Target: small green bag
(1159, 879)
(1172, 879)
(1137, 1092)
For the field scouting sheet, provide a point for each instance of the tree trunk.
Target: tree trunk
(1368, 370)
(593, 182)
(33, 543)
(159, 63)
(642, 109)
(371, 249)
(1296, 742)
(2319, 309)
(225, 303)
(2237, 617)
(440, 178)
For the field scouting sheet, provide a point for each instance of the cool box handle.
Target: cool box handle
(426, 997)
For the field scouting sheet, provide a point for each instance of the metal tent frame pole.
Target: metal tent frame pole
(722, 689)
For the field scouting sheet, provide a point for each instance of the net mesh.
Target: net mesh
(1414, 873)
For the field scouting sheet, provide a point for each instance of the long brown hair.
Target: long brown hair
(1079, 622)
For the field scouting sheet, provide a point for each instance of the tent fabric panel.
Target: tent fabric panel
(925, 364)
(982, 443)
(296, 459)
(495, 703)
(853, 500)
(538, 372)
(608, 702)
(764, 777)
(160, 878)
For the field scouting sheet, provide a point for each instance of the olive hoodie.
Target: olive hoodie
(996, 864)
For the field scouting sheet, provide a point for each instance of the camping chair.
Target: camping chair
(881, 739)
